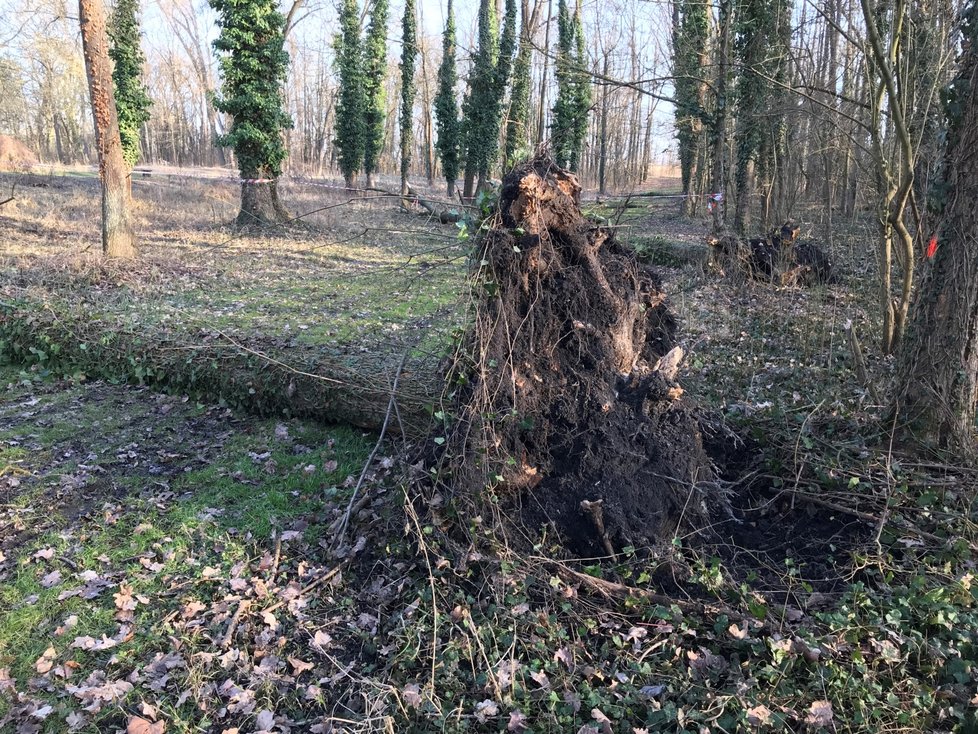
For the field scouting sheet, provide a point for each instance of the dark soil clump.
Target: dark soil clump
(569, 383)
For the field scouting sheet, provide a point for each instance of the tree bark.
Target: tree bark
(260, 205)
(937, 369)
(118, 239)
(720, 116)
(603, 144)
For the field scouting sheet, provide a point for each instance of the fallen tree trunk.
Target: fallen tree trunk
(255, 376)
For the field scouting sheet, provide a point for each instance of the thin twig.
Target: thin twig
(242, 608)
(306, 589)
(278, 556)
(341, 531)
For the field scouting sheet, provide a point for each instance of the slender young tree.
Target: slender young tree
(937, 368)
(132, 102)
(253, 62)
(409, 54)
(118, 239)
(375, 64)
(446, 107)
(350, 123)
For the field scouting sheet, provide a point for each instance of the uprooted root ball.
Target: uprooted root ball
(569, 395)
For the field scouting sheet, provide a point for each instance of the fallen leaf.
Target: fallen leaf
(485, 710)
(517, 721)
(603, 720)
(90, 643)
(412, 695)
(46, 661)
(736, 632)
(192, 608)
(265, 720)
(566, 656)
(76, 720)
(124, 603)
(652, 691)
(819, 714)
(541, 679)
(51, 579)
(320, 640)
(759, 715)
(139, 725)
(299, 666)
(70, 621)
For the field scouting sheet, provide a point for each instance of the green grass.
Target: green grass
(265, 477)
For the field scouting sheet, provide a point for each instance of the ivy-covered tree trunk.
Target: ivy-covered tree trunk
(260, 204)
(718, 128)
(131, 99)
(518, 123)
(350, 124)
(690, 36)
(937, 385)
(375, 105)
(449, 143)
(118, 239)
(761, 44)
(482, 108)
(253, 62)
(569, 126)
(409, 52)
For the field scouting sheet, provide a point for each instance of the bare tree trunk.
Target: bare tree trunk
(895, 180)
(603, 155)
(118, 239)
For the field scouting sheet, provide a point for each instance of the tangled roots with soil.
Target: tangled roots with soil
(569, 410)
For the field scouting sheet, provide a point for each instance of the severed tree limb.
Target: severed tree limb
(445, 216)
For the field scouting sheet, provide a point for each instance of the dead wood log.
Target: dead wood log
(433, 208)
